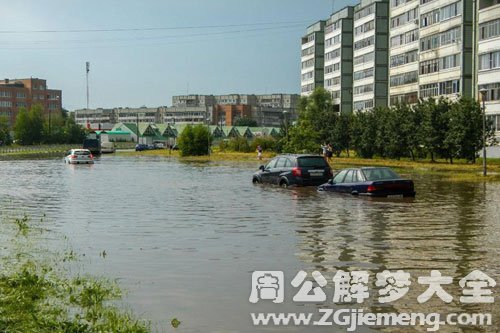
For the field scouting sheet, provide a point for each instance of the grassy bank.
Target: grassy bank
(458, 171)
(38, 294)
(23, 152)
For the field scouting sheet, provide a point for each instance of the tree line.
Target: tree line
(432, 128)
(33, 127)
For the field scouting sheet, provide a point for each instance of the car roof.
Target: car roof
(79, 149)
(299, 155)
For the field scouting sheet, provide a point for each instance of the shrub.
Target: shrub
(194, 141)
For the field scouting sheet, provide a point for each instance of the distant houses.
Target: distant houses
(168, 134)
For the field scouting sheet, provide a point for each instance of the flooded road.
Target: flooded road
(184, 238)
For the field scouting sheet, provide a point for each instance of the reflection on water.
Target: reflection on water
(184, 238)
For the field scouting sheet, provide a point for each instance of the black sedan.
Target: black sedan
(372, 181)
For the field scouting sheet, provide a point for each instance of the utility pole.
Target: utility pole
(483, 97)
(87, 65)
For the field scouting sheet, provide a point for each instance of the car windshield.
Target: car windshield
(380, 174)
(312, 162)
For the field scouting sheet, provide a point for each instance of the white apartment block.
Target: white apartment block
(370, 54)
(489, 58)
(312, 58)
(133, 115)
(403, 51)
(446, 48)
(338, 58)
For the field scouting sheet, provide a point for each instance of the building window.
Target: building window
(363, 89)
(308, 75)
(21, 95)
(5, 104)
(429, 66)
(367, 57)
(364, 43)
(405, 78)
(422, 2)
(404, 18)
(429, 90)
(409, 98)
(6, 94)
(489, 60)
(364, 12)
(359, 75)
(440, 39)
(450, 61)
(308, 51)
(404, 58)
(368, 26)
(492, 91)
(336, 94)
(441, 14)
(489, 29)
(449, 87)
(332, 41)
(361, 105)
(405, 38)
(332, 55)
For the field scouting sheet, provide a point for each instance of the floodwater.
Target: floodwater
(184, 238)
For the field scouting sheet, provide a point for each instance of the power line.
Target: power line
(148, 28)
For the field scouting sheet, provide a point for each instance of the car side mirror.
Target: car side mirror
(262, 168)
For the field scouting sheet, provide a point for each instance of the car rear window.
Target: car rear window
(380, 174)
(82, 152)
(312, 162)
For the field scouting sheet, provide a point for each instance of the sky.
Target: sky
(141, 53)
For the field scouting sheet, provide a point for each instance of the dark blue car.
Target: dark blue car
(372, 181)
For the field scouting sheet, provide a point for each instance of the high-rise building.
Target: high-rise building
(312, 58)
(338, 58)
(446, 48)
(24, 93)
(370, 54)
(489, 58)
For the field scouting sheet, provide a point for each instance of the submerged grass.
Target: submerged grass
(38, 295)
(458, 171)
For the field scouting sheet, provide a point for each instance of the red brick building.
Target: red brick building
(228, 113)
(18, 93)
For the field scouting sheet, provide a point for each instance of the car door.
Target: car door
(337, 181)
(277, 170)
(265, 175)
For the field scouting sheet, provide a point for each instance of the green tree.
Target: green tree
(245, 121)
(194, 141)
(314, 125)
(465, 135)
(363, 133)
(434, 126)
(5, 138)
(28, 129)
(340, 137)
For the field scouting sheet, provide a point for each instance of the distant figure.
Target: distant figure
(329, 153)
(324, 149)
(259, 152)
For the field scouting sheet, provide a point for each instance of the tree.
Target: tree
(5, 138)
(341, 133)
(28, 129)
(194, 141)
(432, 132)
(363, 133)
(245, 121)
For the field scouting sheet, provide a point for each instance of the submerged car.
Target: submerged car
(371, 181)
(294, 170)
(79, 156)
(141, 147)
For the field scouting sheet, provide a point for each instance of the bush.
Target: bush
(239, 144)
(194, 141)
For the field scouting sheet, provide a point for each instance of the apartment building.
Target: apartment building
(489, 58)
(404, 51)
(370, 54)
(24, 93)
(97, 119)
(312, 58)
(446, 48)
(338, 77)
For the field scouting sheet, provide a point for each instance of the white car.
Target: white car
(77, 156)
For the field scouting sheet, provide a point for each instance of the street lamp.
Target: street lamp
(285, 112)
(483, 97)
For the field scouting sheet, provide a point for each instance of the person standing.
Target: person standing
(329, 153)
(259, 152)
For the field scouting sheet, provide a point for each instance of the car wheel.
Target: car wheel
(255, 180)
(283, 184)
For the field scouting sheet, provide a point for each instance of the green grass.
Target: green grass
(458, 171)
(38, 295)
